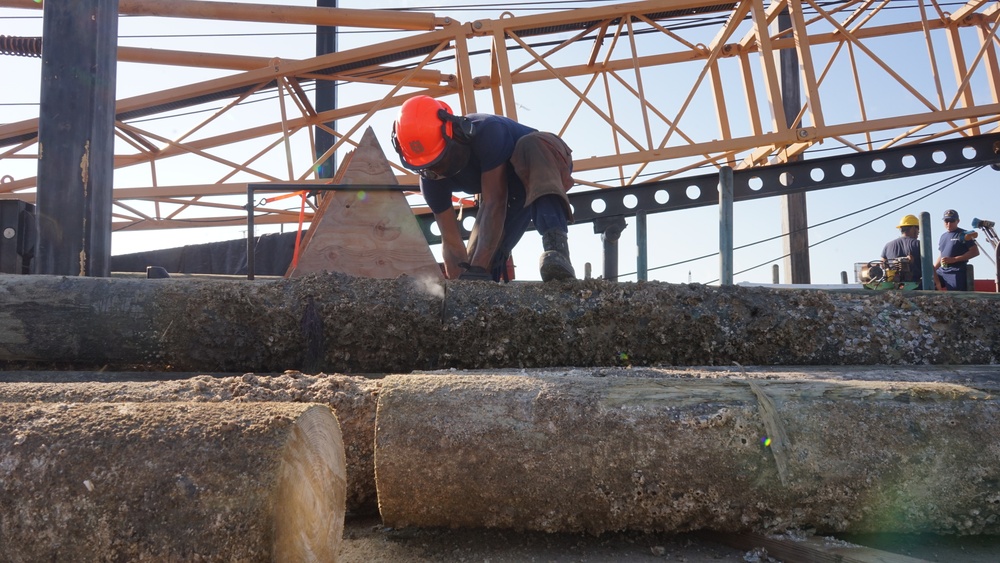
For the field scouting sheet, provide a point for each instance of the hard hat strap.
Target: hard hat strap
(462, 128)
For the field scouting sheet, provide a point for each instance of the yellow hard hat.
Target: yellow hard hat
(908, 221)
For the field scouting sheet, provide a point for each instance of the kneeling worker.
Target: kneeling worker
(520, 174)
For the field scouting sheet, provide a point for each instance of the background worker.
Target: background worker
(956, 252)
(906, 246)
(521, 175)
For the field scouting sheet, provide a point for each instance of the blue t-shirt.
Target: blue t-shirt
(951, 244)
(902, 247)
(492, 145)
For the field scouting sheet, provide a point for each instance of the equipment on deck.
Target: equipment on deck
(991, 237)
(885, 274)
(987, 228)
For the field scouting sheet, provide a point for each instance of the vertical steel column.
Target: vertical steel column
(326, 94)
(76, 137)
(926, 253)
(726, 226)
(793, 206)
(642, 259)
(610, 229)
(996, 260)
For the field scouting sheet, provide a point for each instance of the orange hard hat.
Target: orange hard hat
(419, 133)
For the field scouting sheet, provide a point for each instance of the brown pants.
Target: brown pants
(545, 164)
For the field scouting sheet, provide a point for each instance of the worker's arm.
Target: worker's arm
(452, 246)
(969, 254)
(491, 215)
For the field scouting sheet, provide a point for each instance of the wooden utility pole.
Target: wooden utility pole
(76, 137)
(600, 454)
(793, 206)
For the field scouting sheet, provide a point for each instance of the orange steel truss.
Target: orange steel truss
(643, 91)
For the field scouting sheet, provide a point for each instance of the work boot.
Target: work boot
(554, 263)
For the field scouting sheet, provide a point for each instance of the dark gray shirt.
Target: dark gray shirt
(902, 247)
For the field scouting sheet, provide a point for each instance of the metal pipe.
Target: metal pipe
(326, 96)
(642, 259)
(926, 252)
(610, 229)
(610, 240)
(250, 237)
(996, 260)
(726, 225)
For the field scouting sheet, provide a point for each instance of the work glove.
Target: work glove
(474, 273)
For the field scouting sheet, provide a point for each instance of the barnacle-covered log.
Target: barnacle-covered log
(336, 323)
(568, 454)
(351, 398)
(170, 482)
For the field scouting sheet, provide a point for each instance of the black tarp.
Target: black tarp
(272, 255)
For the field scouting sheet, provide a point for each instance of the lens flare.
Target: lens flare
(766, 441)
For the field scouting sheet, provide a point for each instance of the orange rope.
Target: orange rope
(298, 235)
(282, 196)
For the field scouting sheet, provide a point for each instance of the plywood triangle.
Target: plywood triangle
(369, 234)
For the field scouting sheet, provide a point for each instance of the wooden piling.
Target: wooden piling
(170, 482)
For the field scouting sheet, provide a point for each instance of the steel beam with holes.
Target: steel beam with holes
(780, 179)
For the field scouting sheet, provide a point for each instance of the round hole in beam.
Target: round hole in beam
(817, 174)
(434, 229)
(847, 170)
(878, 166)
(786, 179)
(468, 222)
(909, 161)
(692, 192)
(598, 206)
(661, 196)
(755, 183)
(969, 153)
(939, 157)
(630, 201)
